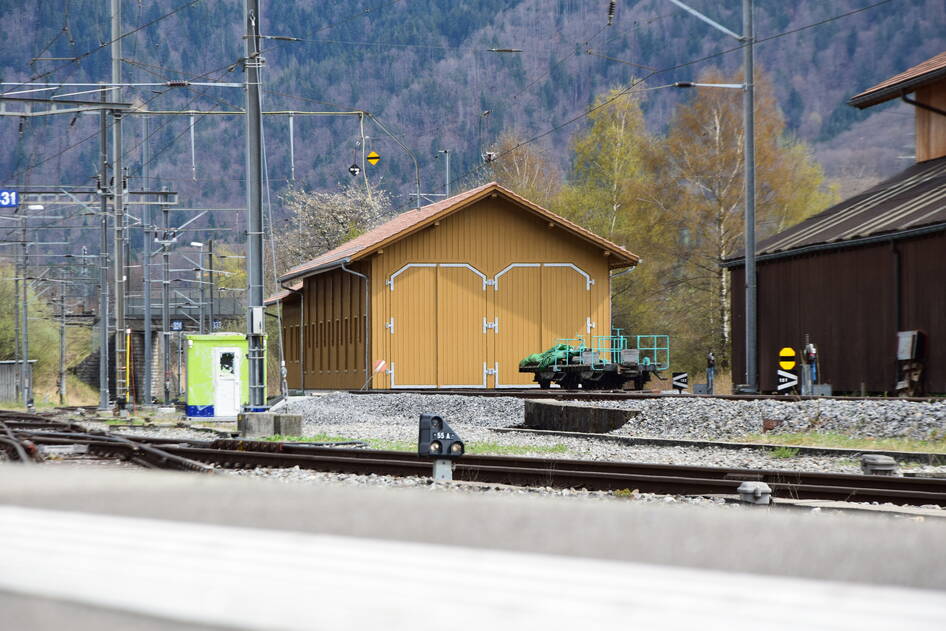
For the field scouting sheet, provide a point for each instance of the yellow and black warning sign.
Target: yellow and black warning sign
(373, 158)
(786, 358)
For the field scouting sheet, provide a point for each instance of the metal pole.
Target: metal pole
(180, 362)
(255, 326)
(119, 207)
(118, 249)
(16, 316)
(62, 341)
(210, 280)
(752, 374)
(103, 257)
(292, 152)
(148, 239)
(166, 303)
(201, 273)
(27, 377)
(446, 155)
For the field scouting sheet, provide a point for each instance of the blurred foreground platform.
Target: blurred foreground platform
(98, 549)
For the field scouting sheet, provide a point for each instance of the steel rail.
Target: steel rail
(133, 450)
(924, 457)
(22, 450)
(564, 473)
(522, 471)
(594, 476)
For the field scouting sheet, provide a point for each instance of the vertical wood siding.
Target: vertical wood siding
(930, 126)
(438, 311)
(332, 332)
(846, 300)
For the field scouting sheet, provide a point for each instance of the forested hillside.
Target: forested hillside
(423, 68)
(425, 71)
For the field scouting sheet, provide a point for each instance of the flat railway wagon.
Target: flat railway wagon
(611, 362)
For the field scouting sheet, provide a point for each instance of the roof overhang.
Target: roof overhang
(876, 96)
(321, 269)
(838, 245)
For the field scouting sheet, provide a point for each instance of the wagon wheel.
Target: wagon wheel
(570, 381)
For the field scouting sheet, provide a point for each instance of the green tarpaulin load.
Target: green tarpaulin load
(558, 354)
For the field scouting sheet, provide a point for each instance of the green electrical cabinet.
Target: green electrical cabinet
(217, 374)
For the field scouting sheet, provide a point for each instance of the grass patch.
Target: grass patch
(833, 439)
(487, 448)
(784, 452)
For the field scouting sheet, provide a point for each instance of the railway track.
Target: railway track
(928, 458)
(31, 432)
(619, 395)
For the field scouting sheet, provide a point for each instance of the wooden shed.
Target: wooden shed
(855, 275)
(450, 295)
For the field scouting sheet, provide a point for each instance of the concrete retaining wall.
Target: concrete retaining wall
(567, 417)
(256, 424)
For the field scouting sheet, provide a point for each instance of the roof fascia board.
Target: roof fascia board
(325, 267)
(839, 245)
(894, 90)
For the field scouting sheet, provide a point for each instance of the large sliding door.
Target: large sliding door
(452, 327)
(517, 299)
(412, 325)
(462, 327)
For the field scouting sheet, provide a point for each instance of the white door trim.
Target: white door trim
(589, 281)
(390, 281)
(508, 268)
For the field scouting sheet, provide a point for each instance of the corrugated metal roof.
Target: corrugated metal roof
(413, 220)
(930, 71)
(911, 199)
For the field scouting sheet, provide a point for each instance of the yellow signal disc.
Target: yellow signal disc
(787, 358)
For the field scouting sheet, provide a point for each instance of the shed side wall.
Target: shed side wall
(334, 336)
(291, 337)
(846, 300)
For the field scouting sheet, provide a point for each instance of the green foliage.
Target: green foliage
(784, 452)
(844, 441)
(482, 448)
(43, 332)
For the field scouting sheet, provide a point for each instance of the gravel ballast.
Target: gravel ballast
(669, 417)
(393, 418)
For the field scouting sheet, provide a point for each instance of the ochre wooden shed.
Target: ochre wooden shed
(453, 294)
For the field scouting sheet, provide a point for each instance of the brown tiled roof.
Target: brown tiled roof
(283, 293)
(408, 222)
(910, 200)
(930, 71)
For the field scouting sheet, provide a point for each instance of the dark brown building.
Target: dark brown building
(854, 275)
